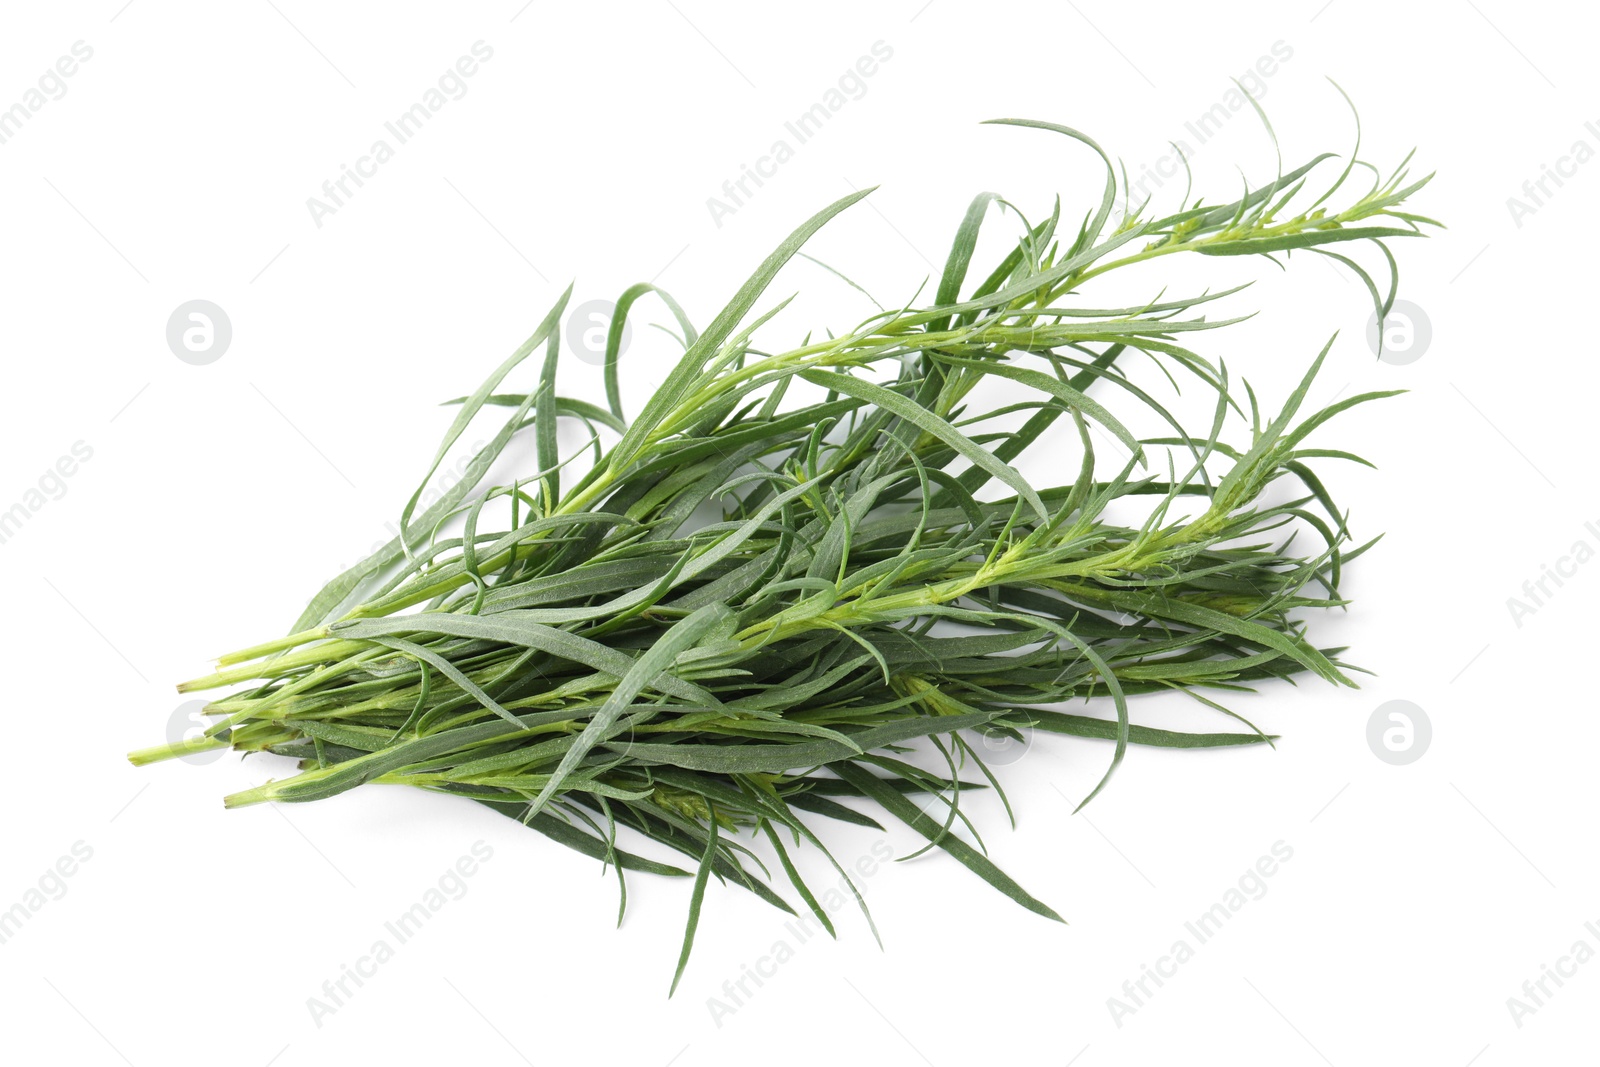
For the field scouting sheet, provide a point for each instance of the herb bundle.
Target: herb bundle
(876, 577)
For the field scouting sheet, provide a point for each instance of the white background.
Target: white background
(178, 165)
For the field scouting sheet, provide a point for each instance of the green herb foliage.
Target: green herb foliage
(607, 664)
